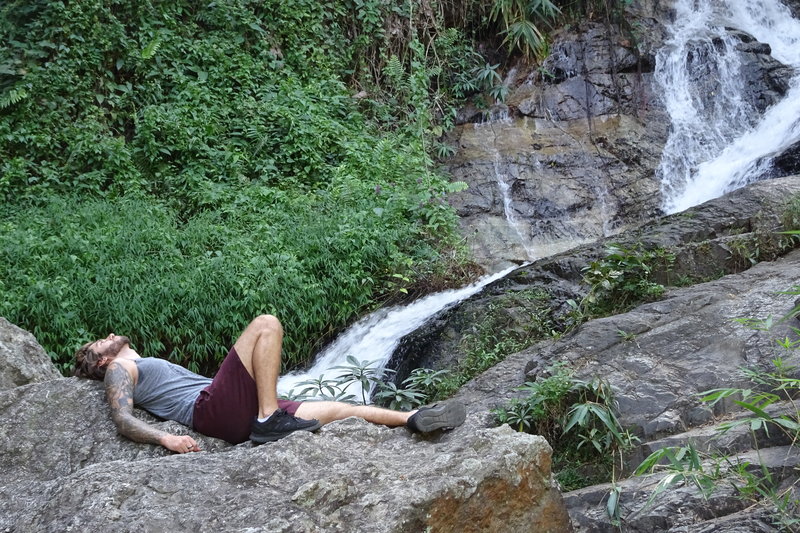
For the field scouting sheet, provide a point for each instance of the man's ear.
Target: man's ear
(103, 361)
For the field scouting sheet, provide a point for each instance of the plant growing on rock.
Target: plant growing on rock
(417, 389)
(578, 419)
(622, 279)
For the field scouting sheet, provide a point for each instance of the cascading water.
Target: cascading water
(375, 337)
(718, 141)
(504, 184)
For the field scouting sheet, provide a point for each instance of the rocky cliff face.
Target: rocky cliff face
(722, 236)
(669, 351)
(572, 154)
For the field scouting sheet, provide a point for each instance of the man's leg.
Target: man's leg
(259, 349)
(445, 415)
(327, 412)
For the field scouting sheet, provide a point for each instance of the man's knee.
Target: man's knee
(268, 324)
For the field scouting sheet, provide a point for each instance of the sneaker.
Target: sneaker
(279, 425)
(438, 416)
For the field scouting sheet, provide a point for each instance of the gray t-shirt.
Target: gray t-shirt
(167, 390)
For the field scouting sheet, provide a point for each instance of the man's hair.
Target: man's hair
(86, 363)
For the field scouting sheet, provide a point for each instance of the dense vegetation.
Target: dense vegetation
(170, 169)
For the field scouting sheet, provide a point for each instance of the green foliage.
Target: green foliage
(779, 385)
(504, 327)
(523, 20)
(577, 418)
(684, 465)
(74, 270)
(372, 380)
(169, 170)
(619, 281)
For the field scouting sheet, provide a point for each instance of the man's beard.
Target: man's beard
(117, 345)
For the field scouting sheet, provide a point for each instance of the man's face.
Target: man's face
(111, 345)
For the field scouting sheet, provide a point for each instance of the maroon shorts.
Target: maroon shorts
(226, 408)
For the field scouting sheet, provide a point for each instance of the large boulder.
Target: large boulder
(64, 468)
(22, 359)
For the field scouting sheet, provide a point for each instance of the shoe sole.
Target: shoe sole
(261, 439)
(443, 416)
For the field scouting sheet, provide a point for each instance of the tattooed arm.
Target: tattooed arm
(119, 383)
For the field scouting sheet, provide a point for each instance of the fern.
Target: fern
(395, 73)
(14, 96)
(150, 50)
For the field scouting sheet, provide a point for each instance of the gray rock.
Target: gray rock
(573, 156)
(64, 468)
(22, 359)
(688, 343)
(691, 342)
(724, 235)
(577, 151)
(683, 508)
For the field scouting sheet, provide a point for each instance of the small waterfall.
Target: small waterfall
(504, 185)
(718, 141)
(375, 337)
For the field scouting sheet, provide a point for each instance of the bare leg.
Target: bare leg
(327, 412)
(259, 349)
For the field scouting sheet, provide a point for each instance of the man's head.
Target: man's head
(92, 359)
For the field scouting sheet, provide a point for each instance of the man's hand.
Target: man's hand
(179, 443)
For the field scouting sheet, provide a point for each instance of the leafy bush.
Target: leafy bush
(620, 280)
(74, 270)
(170, 170)
(374, 386)
(577, 418)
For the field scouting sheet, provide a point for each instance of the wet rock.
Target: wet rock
(722, 236)
(788, 162)
(574, 155)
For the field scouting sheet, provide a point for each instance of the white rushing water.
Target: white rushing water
(720, 143)
(375, 337)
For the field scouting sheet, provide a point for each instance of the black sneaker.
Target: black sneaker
(438, 416)
(279, 425)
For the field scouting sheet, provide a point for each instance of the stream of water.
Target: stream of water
(375, 337)
(720, 143)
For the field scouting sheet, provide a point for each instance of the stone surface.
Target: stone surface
(683, 509)
(687, 343)
(64, 468)
(22, 359)
(573, 154)
(724, 235)
(675, 348)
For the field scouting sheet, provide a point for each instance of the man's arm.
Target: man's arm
(119, 392)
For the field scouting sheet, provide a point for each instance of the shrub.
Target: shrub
(578, 419)
(171, 169)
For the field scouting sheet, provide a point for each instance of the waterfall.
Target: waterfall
(504, 185)
(375, 337)
(718, 141)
